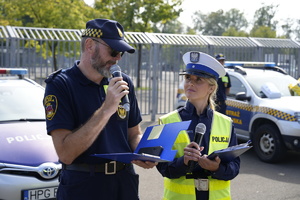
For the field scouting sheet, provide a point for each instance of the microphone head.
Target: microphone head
(200, 128)
(114, 68)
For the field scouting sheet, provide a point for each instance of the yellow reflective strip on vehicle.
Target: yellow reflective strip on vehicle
(273, 112)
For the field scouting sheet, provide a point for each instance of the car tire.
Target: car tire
(268, 144)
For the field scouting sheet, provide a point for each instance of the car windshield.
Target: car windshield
(21, 103)
(280, 81)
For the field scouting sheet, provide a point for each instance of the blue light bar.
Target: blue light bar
(250, 64)
(13, 71)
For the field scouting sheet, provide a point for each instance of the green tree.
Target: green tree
(264, 23)
(287, 28)
(70, 14)
(217, 23)
(211, 24)
(190, 30)
(263, 32)
(141, 15)
(171, 26)
(66, 14)
(264, 16)
(231, 31)
(3, 14)
(297, 30)
(235, 19)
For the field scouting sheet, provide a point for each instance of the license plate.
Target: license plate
(40, 194)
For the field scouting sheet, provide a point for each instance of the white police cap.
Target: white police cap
(203, 65)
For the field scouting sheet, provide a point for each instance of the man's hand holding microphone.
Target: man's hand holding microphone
(117, 91)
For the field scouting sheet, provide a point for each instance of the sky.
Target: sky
(286, 8)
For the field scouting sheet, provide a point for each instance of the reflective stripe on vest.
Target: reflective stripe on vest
(183, 188)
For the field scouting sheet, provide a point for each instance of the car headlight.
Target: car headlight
(297, 115)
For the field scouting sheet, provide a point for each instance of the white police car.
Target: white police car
(262, 108)
(29, 166)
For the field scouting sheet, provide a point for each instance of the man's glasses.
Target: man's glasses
(114, 53)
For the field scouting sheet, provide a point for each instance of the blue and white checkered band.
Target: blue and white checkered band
(194, 57)
(201, 70)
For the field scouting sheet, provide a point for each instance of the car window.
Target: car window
(280, 81)
(21, 103)
(236, 86)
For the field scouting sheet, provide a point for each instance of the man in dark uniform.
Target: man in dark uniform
(84, 118)
(224, 85)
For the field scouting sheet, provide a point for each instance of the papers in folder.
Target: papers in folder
(230, 153)
(155, 145)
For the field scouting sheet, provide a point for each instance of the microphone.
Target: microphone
(115, 71)
(199, 132)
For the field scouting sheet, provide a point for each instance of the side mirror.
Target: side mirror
(242, 96)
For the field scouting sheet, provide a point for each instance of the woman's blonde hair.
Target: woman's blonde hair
(212, 97)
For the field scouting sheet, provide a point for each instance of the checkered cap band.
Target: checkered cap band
(92, 33)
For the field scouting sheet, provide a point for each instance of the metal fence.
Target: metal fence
(154, 67)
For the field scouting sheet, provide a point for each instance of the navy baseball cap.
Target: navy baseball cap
(220, 56)
(110, 31)
(203, 65)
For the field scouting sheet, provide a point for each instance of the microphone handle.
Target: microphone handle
(198, 140)
(125, 100)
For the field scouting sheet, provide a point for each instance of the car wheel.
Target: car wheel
(267, 144)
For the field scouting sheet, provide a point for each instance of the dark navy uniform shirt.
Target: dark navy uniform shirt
(221, 92)
(177, 168)
(71, 99)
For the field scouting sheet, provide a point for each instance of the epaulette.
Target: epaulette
(179, 109)
(52, 76)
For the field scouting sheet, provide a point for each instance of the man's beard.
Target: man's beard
(99, 65)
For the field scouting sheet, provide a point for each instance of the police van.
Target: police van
(263, 108)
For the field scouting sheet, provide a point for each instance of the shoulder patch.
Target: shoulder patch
(50, 104)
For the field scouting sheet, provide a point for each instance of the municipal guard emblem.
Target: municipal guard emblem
(122, 113)
(50, 104)
(194, 57)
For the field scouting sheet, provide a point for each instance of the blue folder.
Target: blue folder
(230, 153)
(157, 138)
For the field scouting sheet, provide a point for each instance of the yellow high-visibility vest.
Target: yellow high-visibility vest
(184, 189)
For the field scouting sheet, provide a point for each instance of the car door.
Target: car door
(239, 109)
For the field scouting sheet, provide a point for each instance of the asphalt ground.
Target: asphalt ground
(256, 181)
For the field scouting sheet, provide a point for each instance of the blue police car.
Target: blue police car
(29, 166)
(263, 108)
